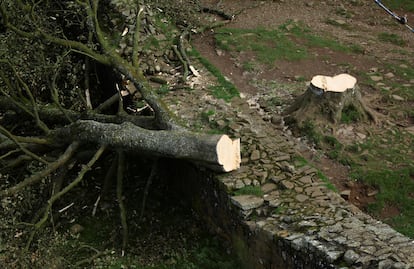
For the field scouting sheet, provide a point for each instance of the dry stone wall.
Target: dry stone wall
(295, 221)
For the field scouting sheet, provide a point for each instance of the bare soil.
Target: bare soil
(364, 20)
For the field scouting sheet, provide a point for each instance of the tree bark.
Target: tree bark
(217, 152)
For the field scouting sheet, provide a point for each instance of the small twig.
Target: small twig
(135, 47)
(17, 161)
(93, 257)
(182, 48)
(55, 94)
(66, 207)
(79, 178)
(11, 152)
(11, 98)
(121, 110)
(39, 122)
(28, 152)
(107, 103)
(87, 74)
(95, 206)
(119, 177)
(158, 80)
(88, 99)
(183, 62)
(42, 174)
(146, 190)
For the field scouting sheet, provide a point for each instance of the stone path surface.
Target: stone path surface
(295, 205)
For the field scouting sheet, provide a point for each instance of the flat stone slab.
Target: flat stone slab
(247, 202)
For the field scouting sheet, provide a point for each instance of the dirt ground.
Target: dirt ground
(366, 21)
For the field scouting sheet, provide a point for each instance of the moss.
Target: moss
(250, 190)
(350, 114)
(308, 129)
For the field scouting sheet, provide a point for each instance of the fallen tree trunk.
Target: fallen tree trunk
(217, 152)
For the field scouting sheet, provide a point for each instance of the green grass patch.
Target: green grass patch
(300, 162)
(250, 190)
(404, 5)
(209, 255)
(268, 45)
(249, 65)
(386, 162)
(290, 41)
(335, 147)
(206, 115)
(396, 188)
(301, 31)
(391, 38)
(350, 115)
(280, 209)
(225, 89)
(325, 179)
(309, 130)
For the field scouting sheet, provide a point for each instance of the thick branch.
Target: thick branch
(218, 152)
(53, 114)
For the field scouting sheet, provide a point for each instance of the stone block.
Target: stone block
(247, 202)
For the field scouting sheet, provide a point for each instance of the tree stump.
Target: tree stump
(329, 100)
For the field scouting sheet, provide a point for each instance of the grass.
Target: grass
(404, 5)
(250, 190)
(350, 115)
(386, 162)
(304, 33)
(300, 162)
(208, 255)
(309, 130)
(280, 209)
(396, 189)
(225, 89)
(291, 41)
(391, 38)
(268, 45)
